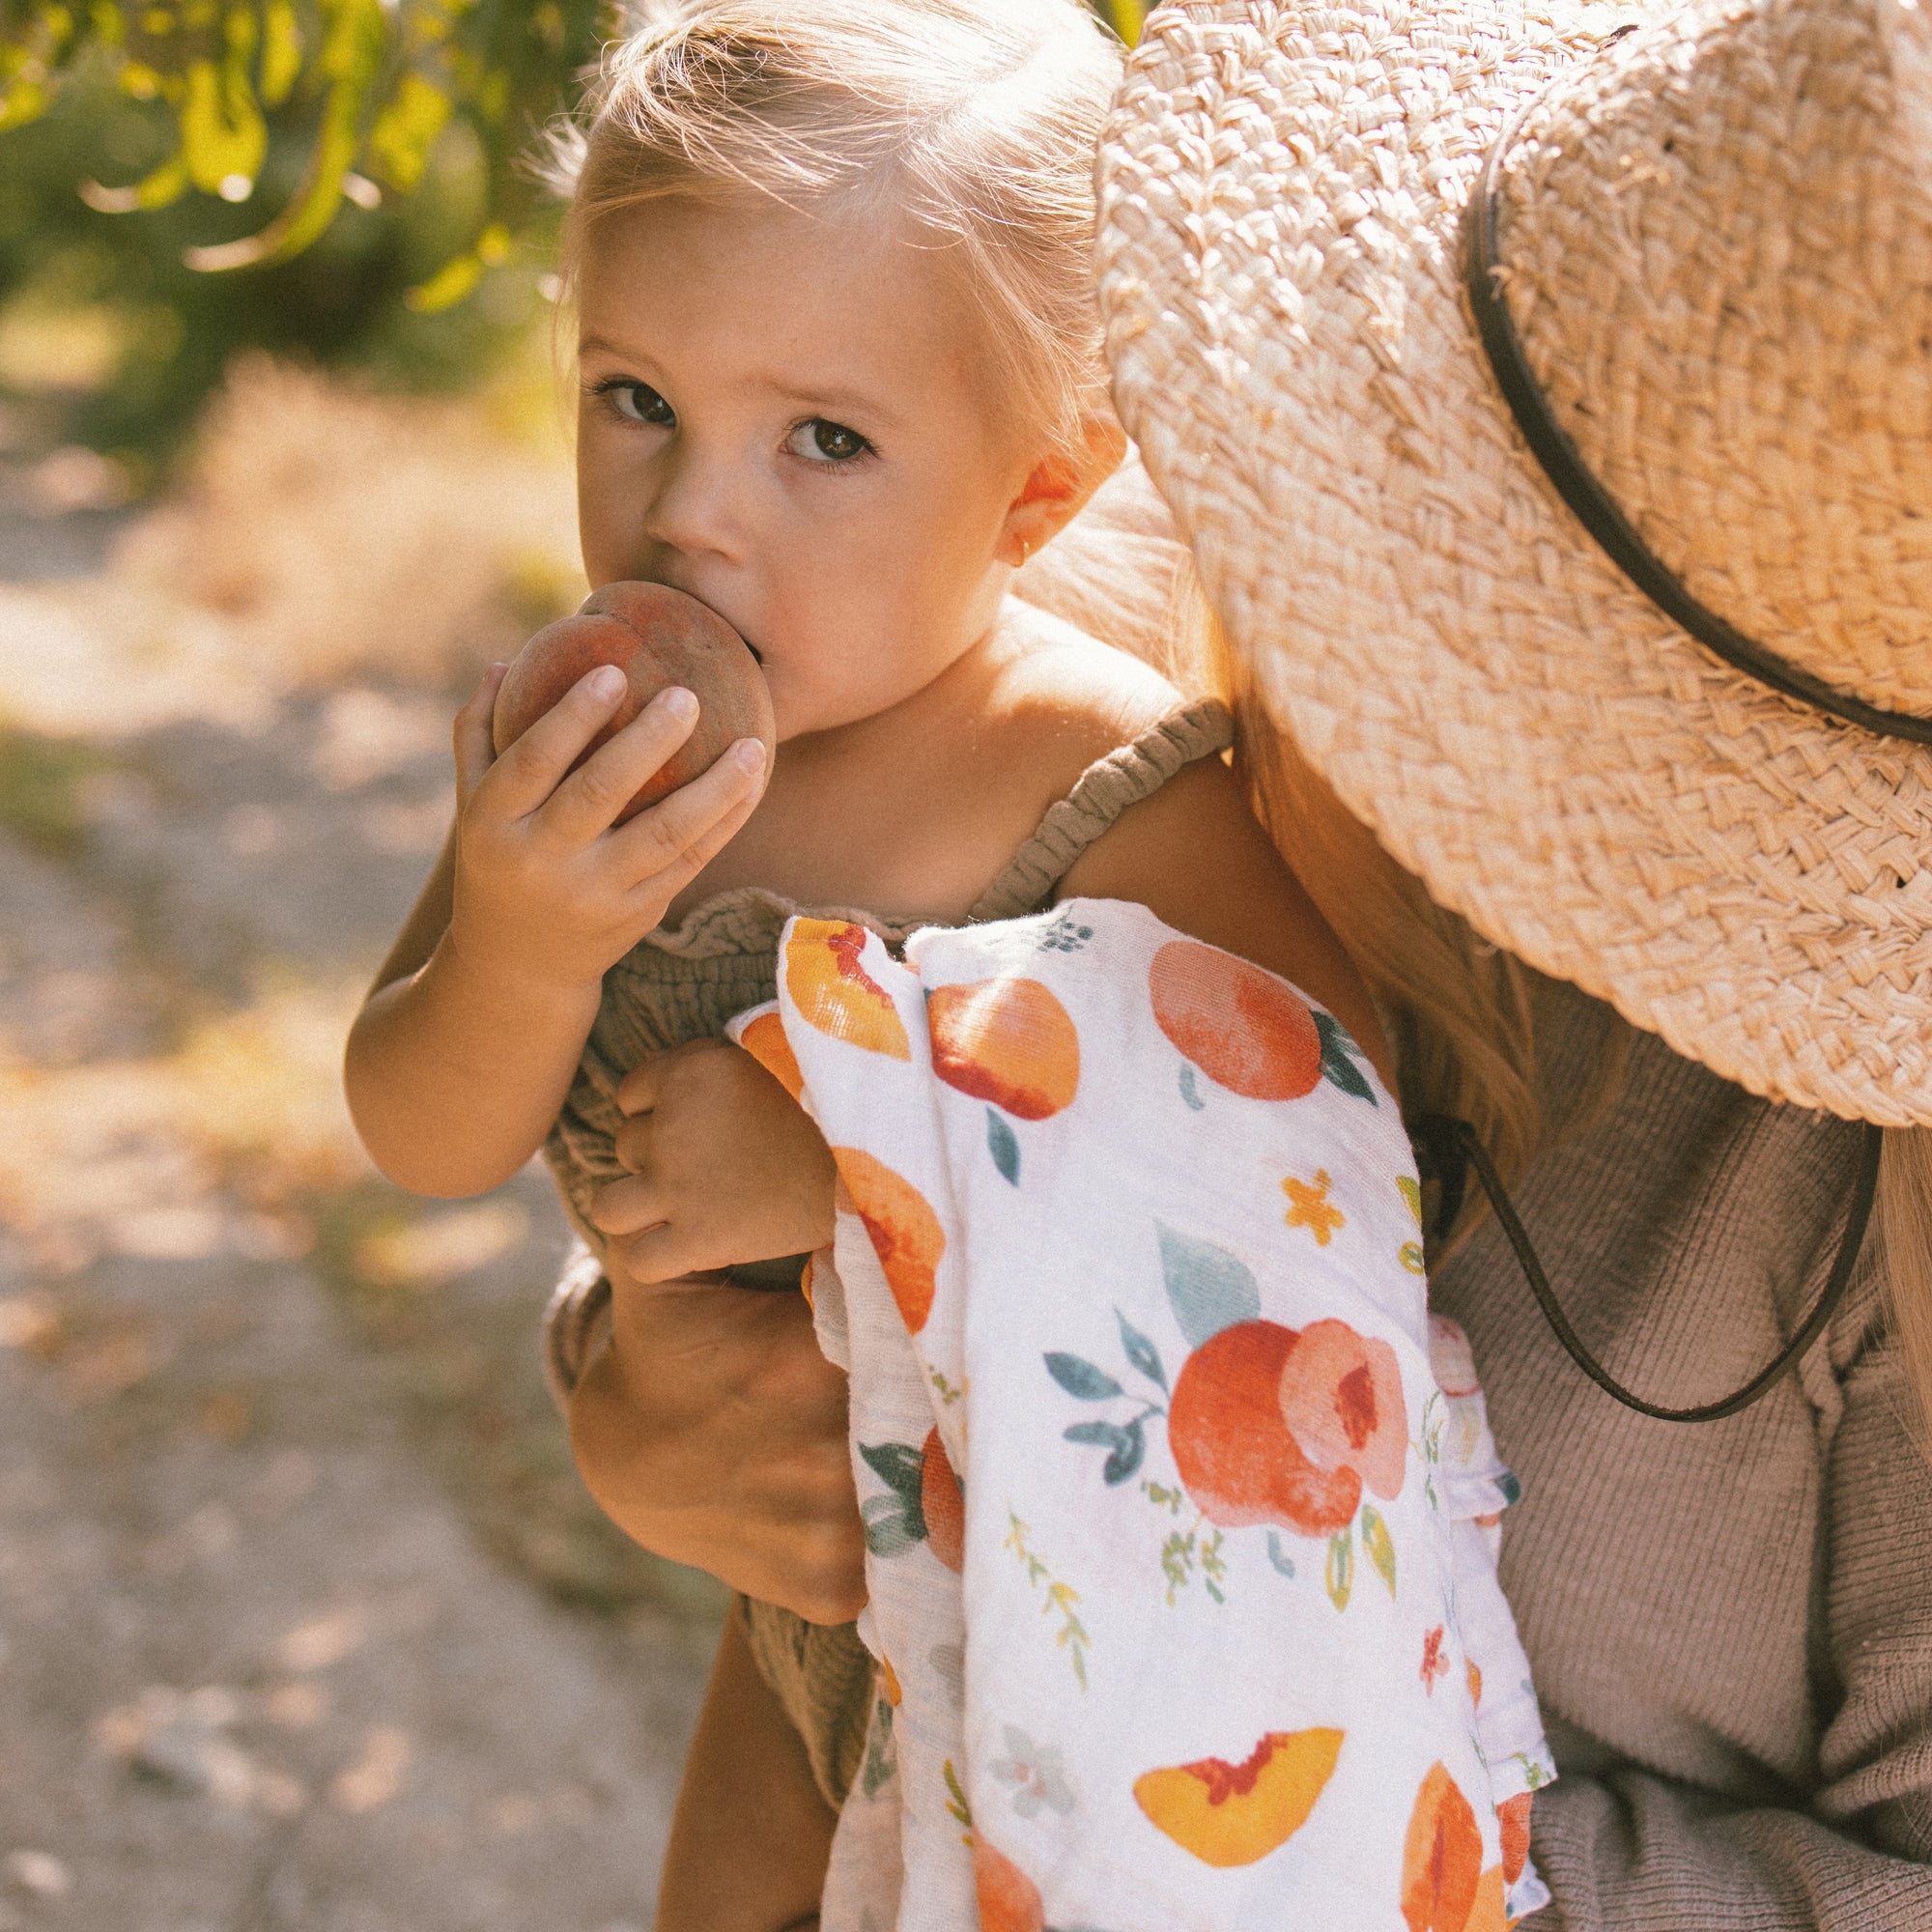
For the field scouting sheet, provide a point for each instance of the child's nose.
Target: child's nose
(694, 506)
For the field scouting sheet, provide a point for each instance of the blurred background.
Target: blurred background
(305, 1621)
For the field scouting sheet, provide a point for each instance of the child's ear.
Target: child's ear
(1057, 489)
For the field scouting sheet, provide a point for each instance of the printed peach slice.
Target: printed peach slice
(764, 1039)
(1231, 1444)
(1007, 1041)
(1442, 1859)
(1244, 1029)
(944, 1502)
(835, 993)
(1009, 1900)
(905, 1232)
(1232, 1814)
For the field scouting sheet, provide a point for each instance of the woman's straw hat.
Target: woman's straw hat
(1711, 240)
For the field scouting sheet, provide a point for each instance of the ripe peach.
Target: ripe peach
(655, 637)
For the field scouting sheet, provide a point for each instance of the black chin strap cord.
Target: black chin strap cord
(1447, 1143)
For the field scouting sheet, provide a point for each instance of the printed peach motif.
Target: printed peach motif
(835, 993)
(1444, 1887)
(1009, 1900)
(944, 1504)
(1007, 1041)
(1512, 1816)
(764, 1039)
(1341, 1394)
(1234, 1814)
(1276, 1425)
(1244, 1029)
(905, 1232)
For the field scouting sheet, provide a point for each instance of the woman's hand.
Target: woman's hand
(726, 1167)
(549, 890)
(713, 1432)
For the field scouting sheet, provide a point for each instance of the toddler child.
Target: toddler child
(839, 376)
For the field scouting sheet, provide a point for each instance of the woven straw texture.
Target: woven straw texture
(1716, 244)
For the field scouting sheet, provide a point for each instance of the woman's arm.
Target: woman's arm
(1626, 1851)
(464, 1050)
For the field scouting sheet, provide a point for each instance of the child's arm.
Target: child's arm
(463, 1051)
(750, 1837)
(1194, 856)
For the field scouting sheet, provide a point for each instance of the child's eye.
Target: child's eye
(638, 402)
(821, 441)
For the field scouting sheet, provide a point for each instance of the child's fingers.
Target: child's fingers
(626, 1206)
(666, 1251)
(476, 749)
(591, 797)
(529, 770)
(672, 842)
(637, 1091)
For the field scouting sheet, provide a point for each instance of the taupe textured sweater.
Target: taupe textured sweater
(1729, 1623)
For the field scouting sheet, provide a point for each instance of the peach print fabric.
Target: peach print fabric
(1180, 1513)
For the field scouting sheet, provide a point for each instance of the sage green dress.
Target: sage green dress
(683, 982)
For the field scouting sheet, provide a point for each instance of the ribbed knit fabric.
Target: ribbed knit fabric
(683, 982)
(1729, 1623)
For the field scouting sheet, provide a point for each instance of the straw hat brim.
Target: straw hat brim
(1559, 763)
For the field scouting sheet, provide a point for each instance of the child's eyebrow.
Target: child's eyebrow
(828, 396)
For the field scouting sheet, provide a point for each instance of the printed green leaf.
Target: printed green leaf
(1003, 1145)
(1141, 1352)
(1340, 1571)
(1190, 1091)
(893, 1524)
(1338, 1065)
(1080, 1378)
(1278, 1556)
(1125, 1442)
(897, 1464)
(1380, 1545)
(1208, 1289)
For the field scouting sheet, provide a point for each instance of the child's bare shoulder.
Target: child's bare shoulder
(1062, 700)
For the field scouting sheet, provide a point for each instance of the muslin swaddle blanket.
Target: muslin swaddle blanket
(1180, 1512)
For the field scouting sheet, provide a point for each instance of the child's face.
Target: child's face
(793, 418)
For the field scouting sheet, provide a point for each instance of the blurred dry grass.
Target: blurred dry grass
(309, 601)
(321, 534)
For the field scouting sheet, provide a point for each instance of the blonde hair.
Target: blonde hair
(971, 123)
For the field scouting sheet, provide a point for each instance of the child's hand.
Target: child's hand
(549, 894)
(725, 1166)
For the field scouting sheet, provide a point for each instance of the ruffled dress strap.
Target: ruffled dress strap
(1104, 790)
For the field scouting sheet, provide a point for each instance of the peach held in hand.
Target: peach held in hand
(1232, 1814)
(657, 637)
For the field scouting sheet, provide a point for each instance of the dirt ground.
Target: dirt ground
(304, 1621)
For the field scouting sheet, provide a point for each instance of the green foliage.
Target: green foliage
(365, 160)
(372, 85)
